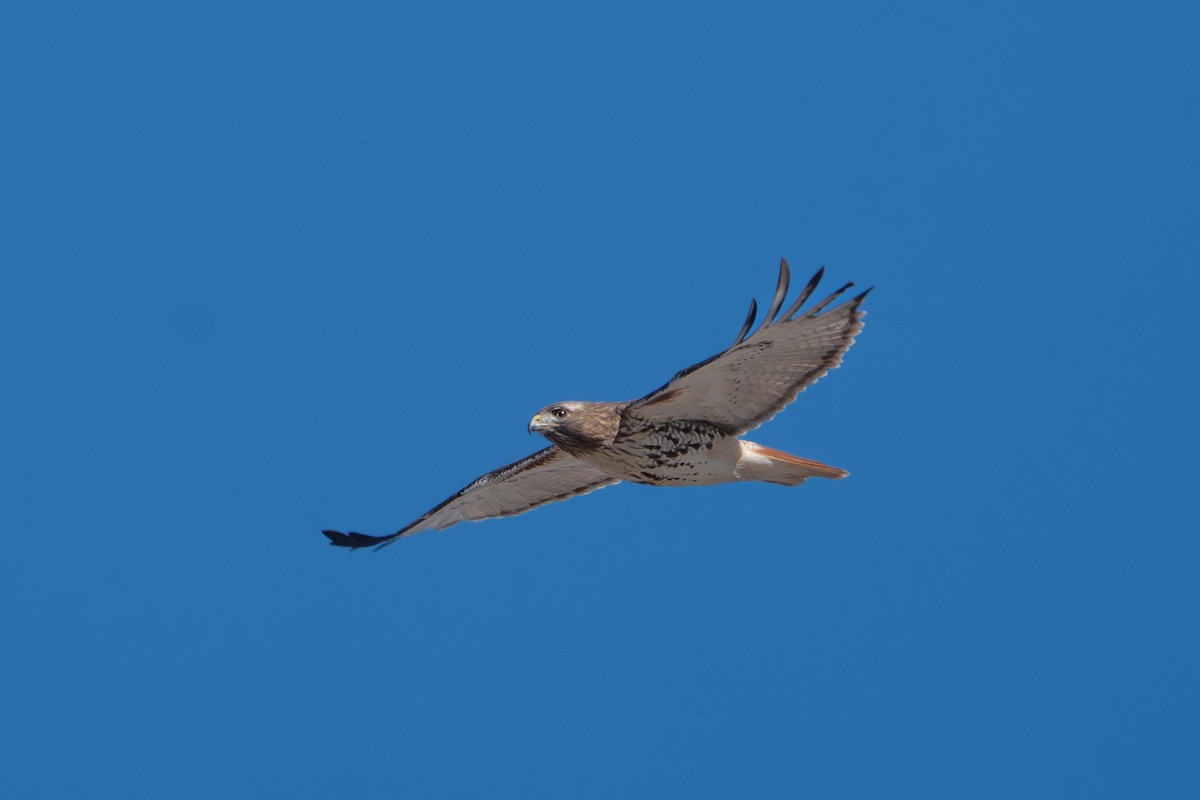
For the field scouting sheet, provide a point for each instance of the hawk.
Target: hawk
(684, 433)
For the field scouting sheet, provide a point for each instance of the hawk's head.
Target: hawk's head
(576, 424)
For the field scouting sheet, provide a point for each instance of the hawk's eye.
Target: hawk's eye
(558, 412)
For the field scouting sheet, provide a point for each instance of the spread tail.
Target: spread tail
(759, 463)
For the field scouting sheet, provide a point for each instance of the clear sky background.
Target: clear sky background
(273, 268)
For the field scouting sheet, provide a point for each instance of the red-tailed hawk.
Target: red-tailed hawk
(682, 434)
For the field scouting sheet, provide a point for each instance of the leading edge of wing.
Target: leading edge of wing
(664, 392)
(544, 457)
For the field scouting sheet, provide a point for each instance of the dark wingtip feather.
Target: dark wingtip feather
(354, 540)
(749, 322)
(819, 307)
(781, 290)
(804, 295)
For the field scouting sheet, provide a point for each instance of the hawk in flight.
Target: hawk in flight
(684, 433)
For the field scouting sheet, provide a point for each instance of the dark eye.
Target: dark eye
(558, 412)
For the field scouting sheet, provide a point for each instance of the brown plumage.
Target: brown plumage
(682, 434)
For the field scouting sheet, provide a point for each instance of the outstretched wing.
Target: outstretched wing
(744, 386)
(547, 476)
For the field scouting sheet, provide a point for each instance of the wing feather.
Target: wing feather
(747, 384)
(804, 295)
(749, 323)
(781, 290)
(547, 476)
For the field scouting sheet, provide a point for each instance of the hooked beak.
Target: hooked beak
(536, 425)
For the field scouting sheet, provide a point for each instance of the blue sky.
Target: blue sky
(273, 268)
